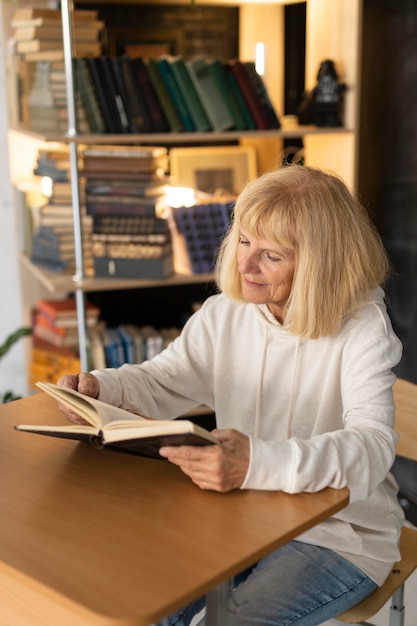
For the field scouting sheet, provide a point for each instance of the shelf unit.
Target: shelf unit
(333, 30)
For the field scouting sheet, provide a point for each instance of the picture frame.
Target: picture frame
(146, 43)
(214, 170)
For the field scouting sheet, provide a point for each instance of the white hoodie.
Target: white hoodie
(319, 413)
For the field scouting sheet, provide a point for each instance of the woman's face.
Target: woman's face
(266, 273)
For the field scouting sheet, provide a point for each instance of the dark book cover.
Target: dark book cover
(190, 94)
(210, 95)
(255, 106)
(164, 97)
(147, 90)
(218, 71)
(117, 96)
(88, 96)
(175, 94)
(261, 91)
(107, 104)
(135, 104)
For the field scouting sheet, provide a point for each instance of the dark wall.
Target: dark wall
(388, 154)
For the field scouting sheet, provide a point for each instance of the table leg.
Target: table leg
(215, 603)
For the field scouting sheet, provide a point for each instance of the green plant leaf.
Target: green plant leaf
(11, 339)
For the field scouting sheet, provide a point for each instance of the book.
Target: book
(81, 48)
(135, 104)
(217, 69)
(137, 159)
(55, 335)
(88, 32)
(124, 205)
(88, 96)
(115, 94)
(156, 187)
(132, 226)
(210, 95)
(30, 13)
(255, 102)
(171, 113)
(262, 94)
(110, 426)
(110, 116)
(146, 88)
(197, 112)
(63, 312)
(175, 93)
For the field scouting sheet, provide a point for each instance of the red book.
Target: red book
(64, 312)
(253, 102)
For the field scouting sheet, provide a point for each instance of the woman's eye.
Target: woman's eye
(274, 259)
(244, 242)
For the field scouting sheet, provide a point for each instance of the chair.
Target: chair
(405, 396)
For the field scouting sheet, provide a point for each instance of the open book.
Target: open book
(114, 427)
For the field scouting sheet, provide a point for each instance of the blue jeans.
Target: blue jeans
(297, 585)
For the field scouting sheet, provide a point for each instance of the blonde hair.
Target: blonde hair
(339, 254)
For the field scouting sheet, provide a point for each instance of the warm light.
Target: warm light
(180, 196)
(260, 57)
(46, 186)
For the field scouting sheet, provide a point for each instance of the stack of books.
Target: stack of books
(55, 338)
(38, 36)
(125, 195)
(53, 223)
(38, 39)
(47, 108)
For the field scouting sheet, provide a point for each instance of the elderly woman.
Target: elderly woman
(295, 356)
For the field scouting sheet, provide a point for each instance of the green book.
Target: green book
(171, 114)
(189, 93)
(235, 89)
(89, 101)
(210, 95)
(175, 93)
(217, 69)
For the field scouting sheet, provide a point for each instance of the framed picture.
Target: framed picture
(214, 170)
(147, 43)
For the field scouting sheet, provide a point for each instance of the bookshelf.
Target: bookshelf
(333, 30)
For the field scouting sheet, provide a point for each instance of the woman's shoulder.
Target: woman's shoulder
(371, 318)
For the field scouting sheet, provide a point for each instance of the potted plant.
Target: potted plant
(8, 396)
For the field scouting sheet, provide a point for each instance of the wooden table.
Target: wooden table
(91, 537)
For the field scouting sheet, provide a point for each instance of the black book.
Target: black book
(107, 104)
(147, 90)
(135, 105)
(116, 93)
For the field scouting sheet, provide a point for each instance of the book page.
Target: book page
(94, 411)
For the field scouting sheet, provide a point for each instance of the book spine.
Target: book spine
(110, 208)
(140, 118)
(210, 96)
(110, 120)
(262, 94)
(130, 225)
(141, 74)
(89, 101)
(190, 95)
(175, 94)
(130, 250)
(115, 93)
(219, 74)
(258, 113)
(164, 98)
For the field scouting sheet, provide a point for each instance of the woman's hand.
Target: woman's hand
(84, 383)
(220, 467)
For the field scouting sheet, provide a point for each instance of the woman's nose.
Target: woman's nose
(248, 263)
